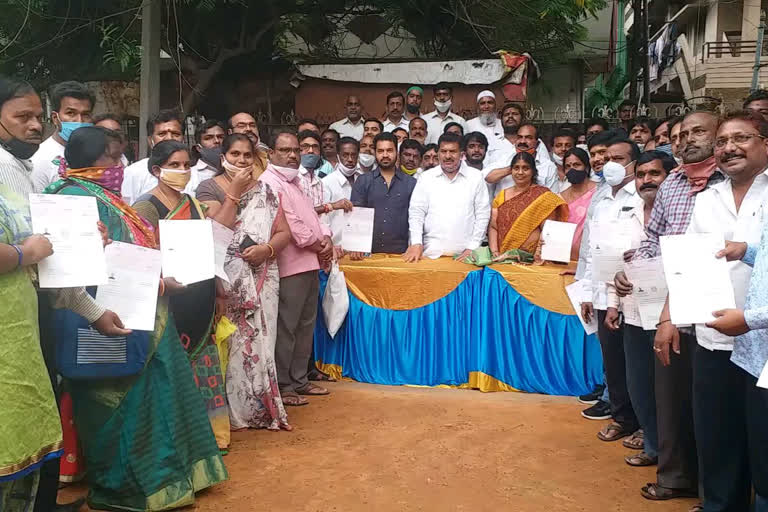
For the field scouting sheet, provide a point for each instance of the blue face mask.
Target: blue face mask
(666, 148)
(67, 127)
(310, 161)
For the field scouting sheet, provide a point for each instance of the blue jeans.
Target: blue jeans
(640, 361)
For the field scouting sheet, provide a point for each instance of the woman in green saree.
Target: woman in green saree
(147, 441)
(192, 306)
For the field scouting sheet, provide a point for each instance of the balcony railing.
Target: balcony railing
(720, 49)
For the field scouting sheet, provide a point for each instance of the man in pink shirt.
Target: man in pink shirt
(298, 263)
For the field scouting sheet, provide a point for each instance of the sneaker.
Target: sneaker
(593, 397)
(600, 411)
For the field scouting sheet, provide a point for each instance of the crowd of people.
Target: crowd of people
(684, 398)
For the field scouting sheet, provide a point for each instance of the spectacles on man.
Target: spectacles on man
(740, 139)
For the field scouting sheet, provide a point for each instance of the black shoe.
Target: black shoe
(75, 506)
(593, 397)
(600, 411)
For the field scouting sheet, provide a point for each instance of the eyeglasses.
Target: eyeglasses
(740, 139)
(309, 147)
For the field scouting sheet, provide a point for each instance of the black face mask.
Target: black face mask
(575, 176)
(211, 156)
(413, 109)
(18, 148)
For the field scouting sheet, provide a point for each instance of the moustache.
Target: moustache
(649, 186)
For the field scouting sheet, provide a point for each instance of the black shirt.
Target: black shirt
(390, 219)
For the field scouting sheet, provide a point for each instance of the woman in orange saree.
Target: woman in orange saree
(519, 212)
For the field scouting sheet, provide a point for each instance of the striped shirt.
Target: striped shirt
(16, 175)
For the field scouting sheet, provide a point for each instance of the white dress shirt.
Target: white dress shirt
(608, 208)
(44, 171)
(447, 215)
(389, 125)
(494, 132)
(715, 212)
(199, 172)
(336, 186)
(636, 221)
(347, 128)
(546, 169)
(137, 181)
(436, 124)
(501, 151)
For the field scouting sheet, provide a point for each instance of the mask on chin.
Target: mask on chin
(557, 159)
(20, 149)
(347, 171)
(443, 106)
(288, 173)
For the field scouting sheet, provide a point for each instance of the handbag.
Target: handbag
(83, 353)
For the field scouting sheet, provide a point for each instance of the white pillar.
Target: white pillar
(750, 20)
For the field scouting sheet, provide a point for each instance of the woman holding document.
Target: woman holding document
(261, 231)
(148, 443)
(520, 211)
(193, 306)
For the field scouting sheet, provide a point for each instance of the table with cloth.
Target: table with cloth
(506, 327)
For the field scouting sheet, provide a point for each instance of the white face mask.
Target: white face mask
(366, 160)
(614, 173)
(443, 106)
(288, 173)
(557, 159)
(347, 171)
(583, 146)
(678, 160)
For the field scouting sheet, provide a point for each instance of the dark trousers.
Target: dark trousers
(639, 357)
(719, 418)
(612, 346)
(49, 471)
(296, 316)
(756, 405)
(678, 464)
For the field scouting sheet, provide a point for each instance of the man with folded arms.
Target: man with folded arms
(450, 209)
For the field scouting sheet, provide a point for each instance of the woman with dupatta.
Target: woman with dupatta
(194, 306)
(518, 212)
(579, 194)
(248, 206)
(147, 440)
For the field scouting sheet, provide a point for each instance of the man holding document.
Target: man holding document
(298, 263)
(388, 191)
(651, 170)
(609, 237)
(732, 210)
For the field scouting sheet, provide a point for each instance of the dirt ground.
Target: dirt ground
(381, 448)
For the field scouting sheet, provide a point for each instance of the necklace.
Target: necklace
(165, 199)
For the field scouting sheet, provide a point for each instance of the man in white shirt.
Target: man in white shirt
(413, 98)
(608, 209)
(417, 130)
(563, 140)
(352, 125)
(72, 105)
(208, 148)
(337, 187)
(501, 150)
(528, 141)
(137, 180)
(449, 209)
(486, 122)
(735, 209)
(442, 115)
(395, 117)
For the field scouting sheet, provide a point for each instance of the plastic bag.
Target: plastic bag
(224, 329)
(335, 300)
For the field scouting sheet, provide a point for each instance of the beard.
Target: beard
(412, 109)
(510, 130)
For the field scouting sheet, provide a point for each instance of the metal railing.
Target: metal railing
(719, 49)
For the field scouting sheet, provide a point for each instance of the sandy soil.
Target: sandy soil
(380, 448)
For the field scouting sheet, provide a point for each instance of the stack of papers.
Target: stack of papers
(557, 238)
(187, 250)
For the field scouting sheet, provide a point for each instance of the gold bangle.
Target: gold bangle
(272, 251)
(233, 198)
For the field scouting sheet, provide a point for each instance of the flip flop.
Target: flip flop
(640, 460)
(613, 432)
(319, 376)
(635, 441)
(294, 400)
(313, 390)
(655, 492)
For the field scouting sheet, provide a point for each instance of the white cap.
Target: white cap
(485, 93)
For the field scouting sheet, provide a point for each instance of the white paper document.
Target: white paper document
(69, 222)
(649, 289)
(557, 238)
(763, 380)
(132, 285)
(609, 241)
(698, 283)
(578, 292)
(187, 250)
(222, 237)
(358, 230)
